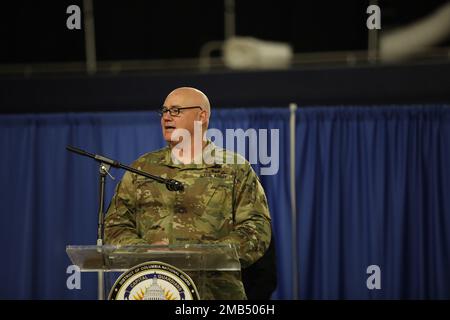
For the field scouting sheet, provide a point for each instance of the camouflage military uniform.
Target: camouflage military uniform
(222, 203)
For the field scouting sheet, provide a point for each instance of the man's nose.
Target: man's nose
(167, 116)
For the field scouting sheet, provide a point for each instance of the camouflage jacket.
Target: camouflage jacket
(222, 202)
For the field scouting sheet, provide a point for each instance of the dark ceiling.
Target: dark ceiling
(35, 31)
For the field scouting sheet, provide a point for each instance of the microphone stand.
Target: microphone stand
(105, 165)
(103, 171)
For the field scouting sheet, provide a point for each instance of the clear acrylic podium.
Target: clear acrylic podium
(203, 263)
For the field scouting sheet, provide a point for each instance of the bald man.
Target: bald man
(194, 109)
(222, 201)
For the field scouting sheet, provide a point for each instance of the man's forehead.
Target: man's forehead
(181, 98)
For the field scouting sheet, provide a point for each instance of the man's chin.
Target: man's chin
(167, 136)
(168, 139)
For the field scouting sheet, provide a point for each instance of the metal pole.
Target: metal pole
(230, 19)
(373, 41)
(89, 36)
(103, 171)
(293, 110)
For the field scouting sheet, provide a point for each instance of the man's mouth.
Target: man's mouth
(169, 127)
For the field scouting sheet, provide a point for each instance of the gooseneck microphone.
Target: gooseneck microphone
(171, 184)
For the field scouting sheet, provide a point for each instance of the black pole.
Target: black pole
(103, 170)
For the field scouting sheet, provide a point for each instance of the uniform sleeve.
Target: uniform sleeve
(120, 221)
(252, 223)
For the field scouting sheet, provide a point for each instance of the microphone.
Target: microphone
(171, 184)
(97, 157)
(174, 185)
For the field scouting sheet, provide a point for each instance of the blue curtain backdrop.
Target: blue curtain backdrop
(372, 186)
(373, 189)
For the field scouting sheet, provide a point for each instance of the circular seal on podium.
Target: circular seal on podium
(154, 280)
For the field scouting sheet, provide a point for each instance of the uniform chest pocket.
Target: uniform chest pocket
(151, 196)
(210, 201)
(152, 214)
(217, 193)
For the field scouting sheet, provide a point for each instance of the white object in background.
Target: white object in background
(417, 37)
(252, 53)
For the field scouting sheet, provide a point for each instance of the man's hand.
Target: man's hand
(160, 243)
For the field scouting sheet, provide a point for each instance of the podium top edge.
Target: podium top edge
(202, 246)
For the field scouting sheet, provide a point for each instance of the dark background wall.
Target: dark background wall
(411, 83)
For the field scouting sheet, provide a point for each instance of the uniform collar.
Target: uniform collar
(209, 159)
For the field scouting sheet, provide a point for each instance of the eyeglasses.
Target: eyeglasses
(175, 111)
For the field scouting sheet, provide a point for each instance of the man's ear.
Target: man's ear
(203, 117)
